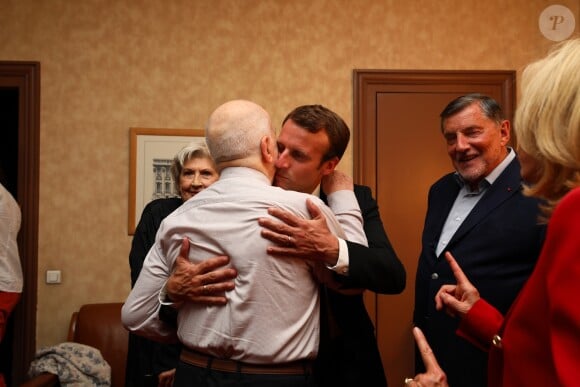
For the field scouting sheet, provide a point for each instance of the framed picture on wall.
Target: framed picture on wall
(151, 155)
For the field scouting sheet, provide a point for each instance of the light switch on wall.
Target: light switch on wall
(53, 276)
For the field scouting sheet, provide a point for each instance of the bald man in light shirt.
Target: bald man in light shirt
(268, 331)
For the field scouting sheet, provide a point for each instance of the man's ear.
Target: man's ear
(267, 148)
(329, 165)
(505, 132)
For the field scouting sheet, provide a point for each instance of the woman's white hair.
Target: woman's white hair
(188, 152)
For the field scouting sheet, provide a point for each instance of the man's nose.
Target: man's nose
(282, 161)
(461, 143)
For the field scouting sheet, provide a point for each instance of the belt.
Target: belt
(197, 359)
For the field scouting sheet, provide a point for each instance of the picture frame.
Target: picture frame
(151, 154)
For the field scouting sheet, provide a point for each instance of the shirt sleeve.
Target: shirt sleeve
(140, 313)
(322, 272)
(341, 266)
(347, 211)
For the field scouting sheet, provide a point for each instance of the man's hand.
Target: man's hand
(434, 375)
(458, 299)
(300, 238)
(336, 181)
(166, 378)
(203, 282)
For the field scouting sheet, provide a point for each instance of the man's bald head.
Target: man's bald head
(234, 130)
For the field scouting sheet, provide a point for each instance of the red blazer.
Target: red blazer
(540, 335)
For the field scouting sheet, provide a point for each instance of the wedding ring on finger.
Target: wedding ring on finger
(204, 288)
(408, 381)
(289, 238)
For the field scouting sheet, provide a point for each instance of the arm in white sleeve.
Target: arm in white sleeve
(324, 275)
(346, 209)
(345, 206)
(140, 313)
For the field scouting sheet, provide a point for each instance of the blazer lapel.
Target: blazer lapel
(506, 185)
(440, 203)
(446, 198)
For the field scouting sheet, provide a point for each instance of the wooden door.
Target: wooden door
(399, 152)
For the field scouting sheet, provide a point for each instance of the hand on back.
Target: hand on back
(205, 282)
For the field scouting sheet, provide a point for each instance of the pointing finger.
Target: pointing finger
(457, 272)
(426, 353)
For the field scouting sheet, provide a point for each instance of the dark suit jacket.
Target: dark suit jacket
(349, 353)
(497, 247)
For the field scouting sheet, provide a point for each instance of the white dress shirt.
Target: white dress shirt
(272, 315)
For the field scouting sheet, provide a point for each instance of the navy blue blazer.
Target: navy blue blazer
(349, 354)
(497, 247)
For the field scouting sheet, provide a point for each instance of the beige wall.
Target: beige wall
(110, 65)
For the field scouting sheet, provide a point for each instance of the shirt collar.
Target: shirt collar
(493, 175)
(316, 191)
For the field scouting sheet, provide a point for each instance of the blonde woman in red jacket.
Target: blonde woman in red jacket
(538, 342)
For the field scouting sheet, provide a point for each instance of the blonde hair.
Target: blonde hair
(547, 122)
(190, 151)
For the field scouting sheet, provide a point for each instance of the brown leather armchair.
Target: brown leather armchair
(99, 326)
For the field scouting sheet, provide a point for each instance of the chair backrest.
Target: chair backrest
(99, 325)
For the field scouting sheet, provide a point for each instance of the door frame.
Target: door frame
(25, 76)
(367, 83)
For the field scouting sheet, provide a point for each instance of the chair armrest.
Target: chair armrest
(72, 327)
(45, 379)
